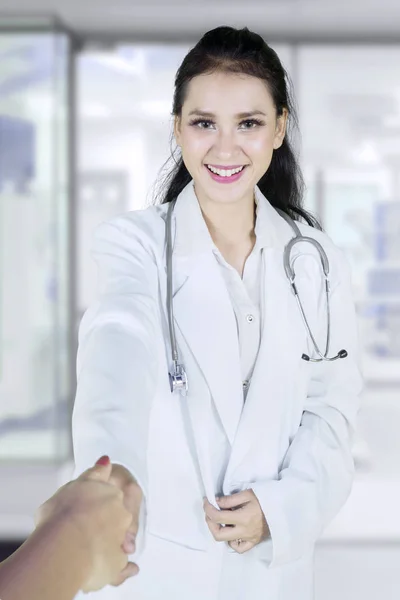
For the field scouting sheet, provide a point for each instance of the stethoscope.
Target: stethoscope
(177, 376)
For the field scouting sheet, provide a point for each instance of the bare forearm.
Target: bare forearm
(52, 563)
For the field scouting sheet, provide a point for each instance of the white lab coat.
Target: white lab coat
(290, 442)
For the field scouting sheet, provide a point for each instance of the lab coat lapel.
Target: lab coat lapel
(203, 312)
(212, 337)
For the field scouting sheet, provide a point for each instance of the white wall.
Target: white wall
(107, 146)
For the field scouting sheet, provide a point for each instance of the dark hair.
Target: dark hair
(230, 50)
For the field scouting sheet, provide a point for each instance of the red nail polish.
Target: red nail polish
(104, 460)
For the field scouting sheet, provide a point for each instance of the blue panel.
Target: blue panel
(17, 152)
(383, 282)
(386, 228)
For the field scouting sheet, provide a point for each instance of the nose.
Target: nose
(225, 145)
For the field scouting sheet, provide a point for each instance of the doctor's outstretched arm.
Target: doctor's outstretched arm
(76, 544)
(117, 362)
(317, 473)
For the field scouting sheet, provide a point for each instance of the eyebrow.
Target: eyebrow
(242, 115)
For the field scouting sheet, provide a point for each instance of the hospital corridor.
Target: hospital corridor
(85, 134)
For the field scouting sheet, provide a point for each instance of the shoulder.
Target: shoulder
(136, 230)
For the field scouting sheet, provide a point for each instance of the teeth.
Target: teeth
(224, 172)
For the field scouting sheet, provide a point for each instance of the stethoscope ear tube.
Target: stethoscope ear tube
(289, 269)
(341, 354)
(291, 275)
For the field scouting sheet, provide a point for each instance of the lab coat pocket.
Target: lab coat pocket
(189, 537)
(303, 375)
(300, 386)
(171, 570)
(178, 517)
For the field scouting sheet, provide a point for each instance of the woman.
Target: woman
(261, 428)
(79, 542)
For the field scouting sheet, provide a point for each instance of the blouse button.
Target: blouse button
(250, 318)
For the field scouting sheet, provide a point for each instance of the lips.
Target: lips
(226, 178)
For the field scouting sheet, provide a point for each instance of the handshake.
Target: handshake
(85, 533)
(100, 510)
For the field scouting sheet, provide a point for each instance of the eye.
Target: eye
(197, 122)
(253, 123)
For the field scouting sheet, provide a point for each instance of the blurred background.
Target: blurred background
(85, 99)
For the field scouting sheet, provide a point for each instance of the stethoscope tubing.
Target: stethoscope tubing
(178, 377)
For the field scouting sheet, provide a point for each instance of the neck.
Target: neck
(230, 224)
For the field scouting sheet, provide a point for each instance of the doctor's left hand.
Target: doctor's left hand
(240, 518)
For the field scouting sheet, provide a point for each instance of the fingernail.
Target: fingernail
(104, 460)
(130, 544)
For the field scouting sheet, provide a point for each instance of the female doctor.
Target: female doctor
(197, 371)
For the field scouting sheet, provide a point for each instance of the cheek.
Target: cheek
(194, 147)
(260, 148)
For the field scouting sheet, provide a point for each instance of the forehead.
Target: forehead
(227, 91)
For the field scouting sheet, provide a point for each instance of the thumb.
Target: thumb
(100, 472)
(130, 570)
(234, 501)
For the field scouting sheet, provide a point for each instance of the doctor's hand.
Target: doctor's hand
(240, 518)
(94, 509)
(124, 480)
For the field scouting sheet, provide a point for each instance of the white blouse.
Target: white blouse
(245, 298)
(244, 293)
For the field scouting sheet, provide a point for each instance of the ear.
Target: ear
(280, 130)
(177, 130)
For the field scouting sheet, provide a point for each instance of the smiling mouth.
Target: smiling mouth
(227, 171)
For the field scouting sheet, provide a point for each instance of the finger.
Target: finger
(132, 501)
(224, 517)
(121, 477)
(241, 547)
(129, 543)
(100, 472)
(224, 534)
(235, 500)
(130, 570)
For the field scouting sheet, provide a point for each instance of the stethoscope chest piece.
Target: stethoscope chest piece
(178, 379)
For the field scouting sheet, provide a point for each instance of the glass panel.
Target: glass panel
(350, 122)
(34, 364)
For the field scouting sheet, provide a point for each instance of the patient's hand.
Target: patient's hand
(95, 509)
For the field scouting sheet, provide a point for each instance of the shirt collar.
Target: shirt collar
(192, 234)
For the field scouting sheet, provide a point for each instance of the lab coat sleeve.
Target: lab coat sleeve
(116, 362)
(316, 475)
